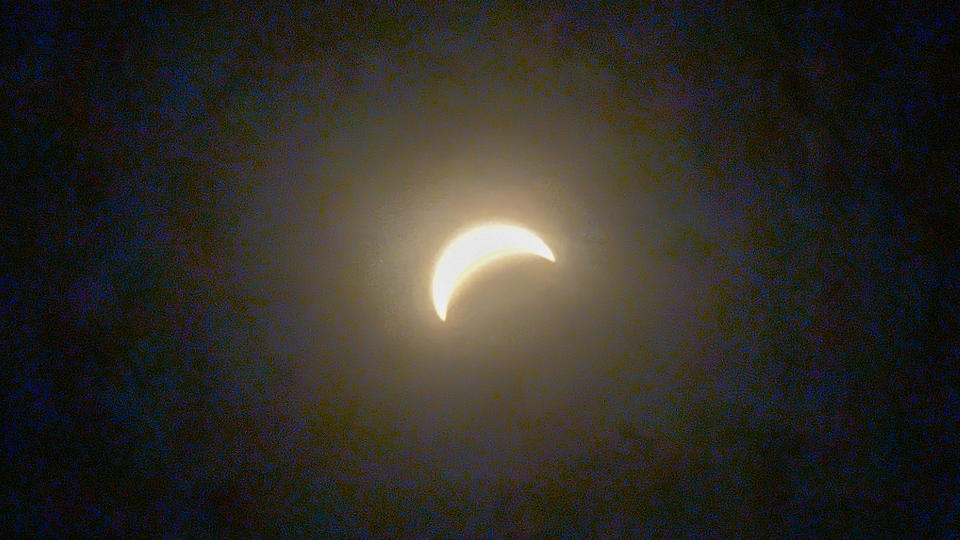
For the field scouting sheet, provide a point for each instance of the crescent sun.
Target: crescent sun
(475, 248)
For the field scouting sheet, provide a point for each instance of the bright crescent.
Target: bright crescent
(475, 248)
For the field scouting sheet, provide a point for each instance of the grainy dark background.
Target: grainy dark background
(219, 225)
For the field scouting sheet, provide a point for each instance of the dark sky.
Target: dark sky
(219, 227)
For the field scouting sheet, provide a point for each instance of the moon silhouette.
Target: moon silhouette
(476, 248)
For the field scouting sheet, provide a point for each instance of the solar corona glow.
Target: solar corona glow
(474, 249)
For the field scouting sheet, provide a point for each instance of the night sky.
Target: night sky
(219, 227)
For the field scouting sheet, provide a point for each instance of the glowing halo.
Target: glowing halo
(475, 248)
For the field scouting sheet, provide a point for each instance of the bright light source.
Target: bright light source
(474, 249)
